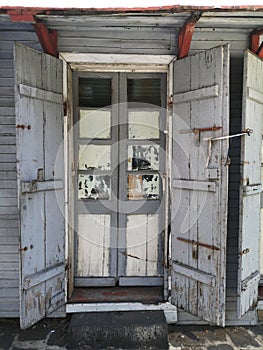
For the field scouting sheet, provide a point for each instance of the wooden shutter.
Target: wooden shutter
(199, 184)
(250, 191)
(39, 126)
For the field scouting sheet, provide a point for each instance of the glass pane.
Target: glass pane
(143, 157)
(144, 124)
(94, 186)
(144, 91)
(94, 157)
(94, 92)
(143, 186)
(95, 124)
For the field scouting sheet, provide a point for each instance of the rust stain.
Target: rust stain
(114, 293)
(244, 251)
(196, 243)
(22, 126)
(23, 249)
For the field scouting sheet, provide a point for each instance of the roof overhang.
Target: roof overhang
(182, 20)
(27, 13)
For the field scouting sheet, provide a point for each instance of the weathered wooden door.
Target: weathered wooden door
(39, 123)
(251, 187)
(118, 142)
(199, 184)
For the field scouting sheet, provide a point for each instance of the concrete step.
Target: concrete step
(118, 330)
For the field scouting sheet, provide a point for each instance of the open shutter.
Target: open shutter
(199, 184)
(39, 127)
(250, 191)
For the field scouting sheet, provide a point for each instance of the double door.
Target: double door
(119, 156)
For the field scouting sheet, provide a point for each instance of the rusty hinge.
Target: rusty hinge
(24, 249)
(170, 101)
(244, 251)
(22, 126)
(193, 242)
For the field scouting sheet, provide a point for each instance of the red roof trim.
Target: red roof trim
(26, 14)
(176, 8)
(185, 36)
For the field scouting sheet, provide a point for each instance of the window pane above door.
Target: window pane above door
(144, 90)
(94, 92)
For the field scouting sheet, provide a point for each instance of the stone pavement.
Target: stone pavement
(56, 334)
(215, 338)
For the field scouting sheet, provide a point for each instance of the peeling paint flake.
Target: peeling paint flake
(143, 186)
(94, 186)
(143, 157)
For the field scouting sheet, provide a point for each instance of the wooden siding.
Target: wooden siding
(122, 40)
(206, 38)
(9, 240)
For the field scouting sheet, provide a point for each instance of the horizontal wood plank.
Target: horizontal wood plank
(207, 186)
(39, 94)
(196, 95)
(194, 274)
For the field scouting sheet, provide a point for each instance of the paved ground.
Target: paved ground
(215, 338)
(56, 334)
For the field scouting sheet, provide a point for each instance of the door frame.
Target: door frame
(109, 63)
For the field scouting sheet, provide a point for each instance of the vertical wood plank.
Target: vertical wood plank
(205, 213)
(251, 147)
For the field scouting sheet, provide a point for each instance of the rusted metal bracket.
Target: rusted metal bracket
(255, 45)
(48, 38)
(244, 251)
(196, 243)
(198, 130)
(22, 126)
(226, 137)
(185, 35)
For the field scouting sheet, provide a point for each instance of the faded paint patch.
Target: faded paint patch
(144, 124)
(94, 157)
(143, 186)
(95, 124)
(94, 186)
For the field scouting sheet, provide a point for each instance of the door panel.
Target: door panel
(199, 181)
(251, 187)
(39, 122)
(119, 152)
(96, 136)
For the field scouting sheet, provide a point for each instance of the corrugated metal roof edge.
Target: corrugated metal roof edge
(160, 9)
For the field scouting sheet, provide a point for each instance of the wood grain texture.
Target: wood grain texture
(200, 215)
